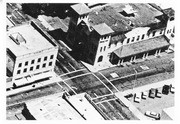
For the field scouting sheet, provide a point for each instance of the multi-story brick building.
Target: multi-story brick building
(30, 52)
(119, 32)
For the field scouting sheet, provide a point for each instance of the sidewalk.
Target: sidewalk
(30, 87)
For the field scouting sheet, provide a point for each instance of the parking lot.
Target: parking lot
(155, 104)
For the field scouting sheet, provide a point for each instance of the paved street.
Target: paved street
(98, 85)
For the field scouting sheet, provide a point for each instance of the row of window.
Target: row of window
(33, 61)
(169, 31)
(133, 38)
(32, 68)
(102, 48)
(138, 37)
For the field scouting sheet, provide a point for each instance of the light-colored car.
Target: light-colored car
(169, 51)
(158, 93)
(137, 97)
(172, 89)
(144, 94)
(153, 115)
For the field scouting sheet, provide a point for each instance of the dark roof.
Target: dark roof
(102, 29)
(169, 12)
(141, 46)
(144, 14)
(80, 8)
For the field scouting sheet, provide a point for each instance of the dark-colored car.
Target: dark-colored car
(166, 89)
(152, 93)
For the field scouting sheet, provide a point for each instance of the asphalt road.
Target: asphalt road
(99, 84)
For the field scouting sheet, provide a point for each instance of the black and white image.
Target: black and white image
(90, 61)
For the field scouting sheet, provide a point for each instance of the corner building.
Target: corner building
(30, 52)
(116, 33)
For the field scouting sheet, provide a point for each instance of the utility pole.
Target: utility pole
(135, 76)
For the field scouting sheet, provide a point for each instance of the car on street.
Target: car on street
(144, 94)
(166, 89)
(158, 93)
(137, 97)
(153, 115)
(152, 93)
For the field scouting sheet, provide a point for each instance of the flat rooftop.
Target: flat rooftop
(141, 46)
(84, 107)
(52, 108)
(25, 39)
(122, 17)
(53, 23)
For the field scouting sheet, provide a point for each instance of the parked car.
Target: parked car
(129, 96)
(158, 93)
(152, 93)
(166, 89)
(172, 89)
(144, 94)
(153, 115)
(137, 97)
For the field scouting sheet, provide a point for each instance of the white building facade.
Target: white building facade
(30, 52)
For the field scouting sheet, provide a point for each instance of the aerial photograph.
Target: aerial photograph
(90, 61)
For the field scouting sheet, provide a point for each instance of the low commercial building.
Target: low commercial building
(168, 114)
(83, 106)
(50, 108)
(30, 52)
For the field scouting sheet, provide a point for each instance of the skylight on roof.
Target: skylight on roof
(128, 11)
(17, 38)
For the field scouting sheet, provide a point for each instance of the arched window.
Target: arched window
(100, 58)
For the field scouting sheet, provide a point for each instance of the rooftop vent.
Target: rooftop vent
(17, 38)
(130, 23)
(126, 14)
(128, 11)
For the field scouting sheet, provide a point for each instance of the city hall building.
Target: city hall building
(116, 33)
(31, 53)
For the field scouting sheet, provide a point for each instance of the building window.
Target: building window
(143, 36)
(25, 70)
(50, 63)
(128, 40)
(173, 30)
(19, 71)
(31, 68)
(101, 49)
(100, 58)
(44, 65)
(154, 32)
(104, 48)
(26, 63)
(138, 37)
(32, 62)
(45, 58)
(51, 56)
(170, 31)
(20, 64)
(161, 31)
(39, 60)
(37, 67)
(132, 39)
